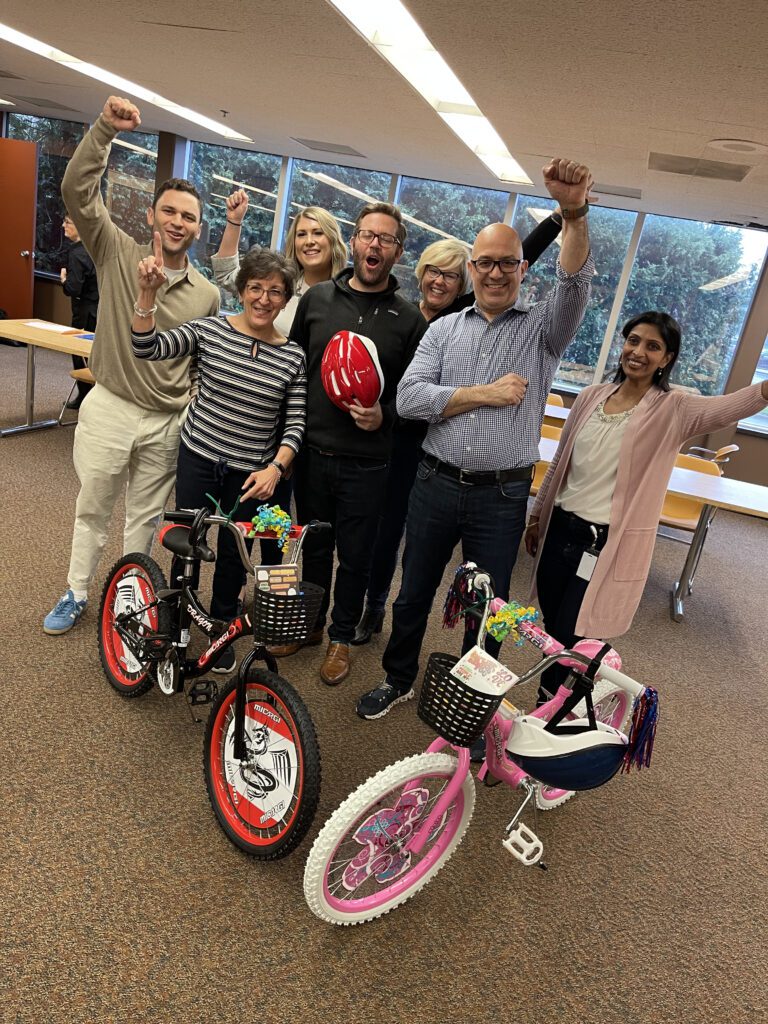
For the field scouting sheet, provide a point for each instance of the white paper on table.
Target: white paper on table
(43, 325)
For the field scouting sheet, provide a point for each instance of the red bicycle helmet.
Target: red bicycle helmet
(350, 370)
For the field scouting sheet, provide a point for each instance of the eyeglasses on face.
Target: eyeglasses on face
(256, 291)
(449, 276)
(484, 265)
(385, 241)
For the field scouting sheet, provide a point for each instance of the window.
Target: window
(128, 185)
(216, 171)
(704, 275)
(610, 232)
(57, 141)
(343, 191)
(760, 420)
(443, 210)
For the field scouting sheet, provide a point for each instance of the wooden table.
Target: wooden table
(715, 492)
(73, 343)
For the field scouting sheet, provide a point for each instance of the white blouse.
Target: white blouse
(588, 488)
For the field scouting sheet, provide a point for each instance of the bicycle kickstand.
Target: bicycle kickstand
(521, 841)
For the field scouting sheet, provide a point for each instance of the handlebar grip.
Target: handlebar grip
(612, 675)
(316, 525)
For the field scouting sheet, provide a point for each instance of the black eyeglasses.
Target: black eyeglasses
(449, 276)
(385, 241)
(484, 265)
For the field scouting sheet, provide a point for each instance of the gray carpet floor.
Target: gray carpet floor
(122, 901)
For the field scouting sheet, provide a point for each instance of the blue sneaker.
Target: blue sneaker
(64, 615)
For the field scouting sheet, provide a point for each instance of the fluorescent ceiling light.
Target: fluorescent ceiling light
(390, 29)
(136, 149)
(242, 184)
(722, 282)
(6, 103)
(123, 85)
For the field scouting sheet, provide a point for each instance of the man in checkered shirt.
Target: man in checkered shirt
(480, 378)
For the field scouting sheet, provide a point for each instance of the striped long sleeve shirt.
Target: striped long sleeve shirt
(465, 350)
(251, 396)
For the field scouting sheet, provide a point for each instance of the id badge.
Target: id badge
(587, 565)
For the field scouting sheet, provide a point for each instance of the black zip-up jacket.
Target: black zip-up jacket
(392, 323)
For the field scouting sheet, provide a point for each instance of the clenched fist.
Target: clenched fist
(121, 114)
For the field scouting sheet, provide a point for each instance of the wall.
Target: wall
(50, 302)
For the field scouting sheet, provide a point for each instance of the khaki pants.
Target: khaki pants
(119, 444)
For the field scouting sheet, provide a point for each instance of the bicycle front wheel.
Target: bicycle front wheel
(357, 869)
(130, 594)
(266, 803)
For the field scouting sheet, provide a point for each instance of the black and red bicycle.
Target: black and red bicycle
(261, 756)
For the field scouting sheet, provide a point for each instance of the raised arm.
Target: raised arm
(226, 262)
(80, 187)
(146, 342)
(568, 183)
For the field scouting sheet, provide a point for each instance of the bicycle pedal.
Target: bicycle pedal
(524, 845)
(202, 692)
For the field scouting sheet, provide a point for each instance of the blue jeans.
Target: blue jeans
(489, 520)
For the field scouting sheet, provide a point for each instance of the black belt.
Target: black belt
(465, 476)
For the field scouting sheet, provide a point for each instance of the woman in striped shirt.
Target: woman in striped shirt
(234, 442)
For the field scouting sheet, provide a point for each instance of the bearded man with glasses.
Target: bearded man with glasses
(341, 472)
(480, 378)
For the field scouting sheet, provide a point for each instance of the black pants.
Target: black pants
(196, 477)
(84, 319)
(406, 455)
(560, 590)
(348, 493)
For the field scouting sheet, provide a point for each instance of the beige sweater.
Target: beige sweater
(161, 386)
(657, 428)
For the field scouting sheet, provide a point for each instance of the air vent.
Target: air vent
(36, 101)
(329, 147)
(742, 224)
(694, 167)
(618, 190)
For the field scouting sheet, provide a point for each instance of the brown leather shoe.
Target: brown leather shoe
(335, 668)
(286, 650)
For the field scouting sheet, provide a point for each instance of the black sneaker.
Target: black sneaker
(226, 662)
(376, 703)
(477, 750)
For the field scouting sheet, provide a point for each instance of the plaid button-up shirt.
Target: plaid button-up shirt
(465, 350)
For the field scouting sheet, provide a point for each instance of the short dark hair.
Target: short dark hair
(177, 185)
(669, 329)
(260, 263)
(390, 210)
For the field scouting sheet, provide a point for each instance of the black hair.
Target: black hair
(260, 263)
(669, 329)
(177, 185)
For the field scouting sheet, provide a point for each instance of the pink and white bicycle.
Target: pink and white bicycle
(392, 835)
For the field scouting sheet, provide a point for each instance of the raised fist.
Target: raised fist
(121, 114)
(237, 205)
(567, 181)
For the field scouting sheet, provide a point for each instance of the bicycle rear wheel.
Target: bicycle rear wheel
(265, 804)
(131, 587)
(356, 869)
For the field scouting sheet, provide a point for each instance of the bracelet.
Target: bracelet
(145, 314)
(575, 212)
(234, 223)
(278, 466)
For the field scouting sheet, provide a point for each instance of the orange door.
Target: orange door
(18, 205)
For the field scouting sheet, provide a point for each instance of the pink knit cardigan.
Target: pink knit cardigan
(654, 433)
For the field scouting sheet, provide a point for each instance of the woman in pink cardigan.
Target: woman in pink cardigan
(609, 477)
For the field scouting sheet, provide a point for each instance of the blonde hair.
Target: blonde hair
(330, 228)
(447, 254)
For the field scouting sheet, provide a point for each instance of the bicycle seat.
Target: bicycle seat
(579, 757)
(176, 539)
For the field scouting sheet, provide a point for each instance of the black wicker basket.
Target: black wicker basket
(450, 707)
(286, 618)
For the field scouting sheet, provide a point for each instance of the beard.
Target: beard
(372, 276)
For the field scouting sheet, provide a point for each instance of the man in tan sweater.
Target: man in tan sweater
(127, 436)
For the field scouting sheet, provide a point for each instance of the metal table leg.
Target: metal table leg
(30, 424)
(684, 585)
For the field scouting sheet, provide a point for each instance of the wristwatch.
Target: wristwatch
(278, 466)
(580, 211)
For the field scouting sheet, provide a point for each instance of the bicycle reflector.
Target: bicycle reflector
(350, 370)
